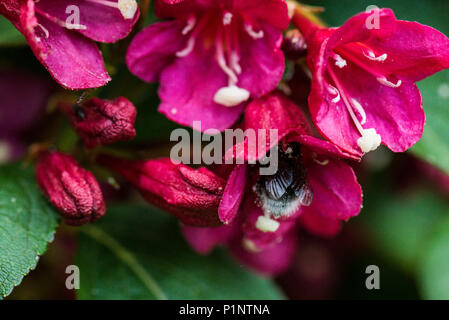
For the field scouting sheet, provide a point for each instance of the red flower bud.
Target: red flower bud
(294, 45)
(100, 122)
(73, 190)
(193, 195)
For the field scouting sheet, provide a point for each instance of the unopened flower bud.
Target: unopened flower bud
(193, 195)
(73, 190)
(99, 122)
(294, 45)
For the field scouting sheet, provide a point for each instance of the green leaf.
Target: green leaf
(434, 266)
(434, 146)
(137, 252)
(400, 223)
(27, 225)
(10, 35)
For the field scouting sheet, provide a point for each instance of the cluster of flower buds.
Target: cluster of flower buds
(73, 190)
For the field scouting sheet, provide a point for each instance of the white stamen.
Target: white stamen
(227, 18)
(191, 22)
(76, 26)
(47, 34)
(235, 65)
(370, 140)
(372, 56)
(231, 96)
(250, 246)
(127, 8)
(222, 63)
(188, 49)
(335, 92)
(322, 163)
(390, 84)
(339, 61)
(253, 34)
(266, 224)
(360, 110)
(291, 7)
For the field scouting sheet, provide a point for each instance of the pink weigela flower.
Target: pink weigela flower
(257, 216)
(363, 79)
(313, 187)
(212, 57)
(190, 194)
(65, 46)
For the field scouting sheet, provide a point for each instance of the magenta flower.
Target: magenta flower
(313, 187)
(363, 85)
(212, 57)
(64, 44)
(255, 215)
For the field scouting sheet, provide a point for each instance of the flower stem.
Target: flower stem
(126, 257)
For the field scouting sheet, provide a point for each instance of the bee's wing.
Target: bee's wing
(276, 186)
(305, 195)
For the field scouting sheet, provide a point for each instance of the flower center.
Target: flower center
(225, 36)
(370, 140)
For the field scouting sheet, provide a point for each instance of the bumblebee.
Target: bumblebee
(282, 193)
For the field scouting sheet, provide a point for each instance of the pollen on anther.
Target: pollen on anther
(227, 18)
(266, 224)
(127, 8)
(340, 62)
(388, 83)
(254, 34)
(231, 96)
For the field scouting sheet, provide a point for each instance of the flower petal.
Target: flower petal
(273, 12)
(395, 113)
(413, 51)
(262, 61)
(263, 239)
(154, 48)
(187, 90)
(232, 195)
(271, 261)
(204, 240)
(102, 23)
(321, 147)
(336, 192)
(273, 113)
(319, 225)
(73, 60)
